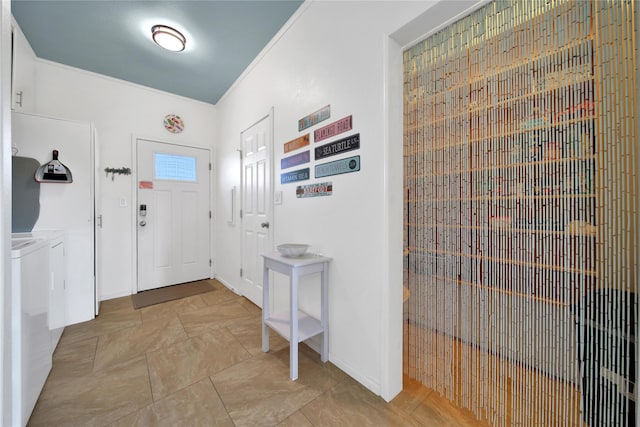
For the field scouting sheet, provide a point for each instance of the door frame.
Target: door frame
(96, 195)
(133, 212)
(395, 43)
(272, 221)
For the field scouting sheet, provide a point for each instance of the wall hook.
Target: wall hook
(118, 171)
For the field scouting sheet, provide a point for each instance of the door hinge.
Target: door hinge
(209, 166)
(240, 272)
(209, 214)
(210, 263)
(240, 213)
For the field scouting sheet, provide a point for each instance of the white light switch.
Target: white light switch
(123, 202)
(277, 197)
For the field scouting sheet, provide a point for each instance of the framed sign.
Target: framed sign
(299, 175)
(314, 190)
(340, 146)
(314, 118)
(350, 164)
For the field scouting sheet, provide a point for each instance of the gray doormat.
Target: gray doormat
(169, 293)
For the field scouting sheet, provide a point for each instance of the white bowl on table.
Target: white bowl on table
(292, 250)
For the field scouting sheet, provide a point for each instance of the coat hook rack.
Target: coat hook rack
(117, 171)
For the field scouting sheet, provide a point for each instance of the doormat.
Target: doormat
(169, 293)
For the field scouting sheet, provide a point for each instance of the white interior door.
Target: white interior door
(173, 214)
(256, 206)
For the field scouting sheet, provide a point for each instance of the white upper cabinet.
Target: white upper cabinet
(22, 71)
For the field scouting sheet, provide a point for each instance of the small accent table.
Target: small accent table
(295, 325)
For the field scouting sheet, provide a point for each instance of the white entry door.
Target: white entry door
(256, 206)
(173, 214)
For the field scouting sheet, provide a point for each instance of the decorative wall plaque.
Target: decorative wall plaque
(314, 190)
(173, 123)
(299, 175)
(340, 146)
(314, 118)
(350, 164)
(299, 142)
(333, 129)
(295, 160)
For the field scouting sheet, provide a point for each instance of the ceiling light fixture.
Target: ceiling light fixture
(168, 38)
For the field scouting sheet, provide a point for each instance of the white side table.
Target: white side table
(295, 325)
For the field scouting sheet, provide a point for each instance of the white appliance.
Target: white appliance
(57, 278)
(57, 318)
(68, 207)
(30, 334)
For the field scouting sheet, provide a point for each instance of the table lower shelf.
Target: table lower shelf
(307, 326)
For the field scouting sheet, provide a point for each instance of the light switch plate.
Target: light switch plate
(277, 197)
(123, 202)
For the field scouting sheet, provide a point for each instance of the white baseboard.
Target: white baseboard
(113, 296)
(228, 285)
(369, 383)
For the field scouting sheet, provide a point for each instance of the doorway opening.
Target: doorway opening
(520, 217)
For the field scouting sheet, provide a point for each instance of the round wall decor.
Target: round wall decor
(173, 123)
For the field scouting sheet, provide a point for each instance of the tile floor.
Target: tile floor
(198, 362)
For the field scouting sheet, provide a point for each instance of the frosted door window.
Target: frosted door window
(175, 168)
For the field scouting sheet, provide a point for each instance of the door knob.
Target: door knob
(264, 225)
(143, 223)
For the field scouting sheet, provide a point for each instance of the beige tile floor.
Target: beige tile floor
(198, 362)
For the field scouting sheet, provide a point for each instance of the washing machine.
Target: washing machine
(30, 334)
(57, 291)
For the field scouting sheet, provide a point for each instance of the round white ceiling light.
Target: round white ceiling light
(168, 38)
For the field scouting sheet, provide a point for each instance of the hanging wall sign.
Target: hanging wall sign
(350, 164)
(340, 146)
(295, 160)
(299, 175)
(314, 190)
(314, 118)
(294, 144)
(333, 129)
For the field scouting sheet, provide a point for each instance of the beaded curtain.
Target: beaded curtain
(521, 185)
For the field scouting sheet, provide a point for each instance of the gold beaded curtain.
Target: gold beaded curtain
(521, 206)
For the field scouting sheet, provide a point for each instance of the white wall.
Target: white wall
(5, 213)
(334, 53)
(119, 111)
